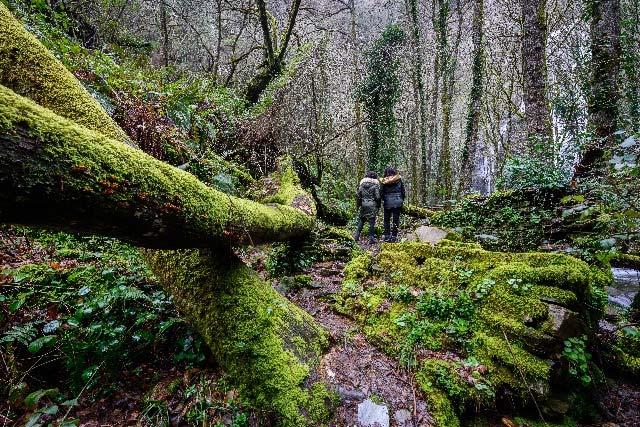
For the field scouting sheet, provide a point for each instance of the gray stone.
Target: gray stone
(424, 233)
(564, 322)
(373, 415)
(403, 417)
(346, 394)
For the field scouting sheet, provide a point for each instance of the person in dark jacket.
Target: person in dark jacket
(368, 202)
(393, 198)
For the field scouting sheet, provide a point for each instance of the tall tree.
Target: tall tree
(417, 65)
(475, 99)
(379, 93)
(604, 96)
(275, 48)
(164, 30)
(444, 182)
(534, 73)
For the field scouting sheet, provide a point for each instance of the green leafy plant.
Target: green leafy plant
(578, 357)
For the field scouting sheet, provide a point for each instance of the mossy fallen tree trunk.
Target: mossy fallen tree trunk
(417, 211)
(67, 166)
(58, 174)
(61, 175)
(265, 345)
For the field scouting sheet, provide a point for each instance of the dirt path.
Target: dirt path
(354, 367)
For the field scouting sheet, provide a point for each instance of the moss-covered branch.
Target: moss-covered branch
(56, 173)
(31, 70)
(265, 344)
(417, 211)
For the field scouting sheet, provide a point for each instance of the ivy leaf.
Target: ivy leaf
(40, 343)
(31, 401)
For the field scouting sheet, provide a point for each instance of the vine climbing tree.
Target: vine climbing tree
(378, 94)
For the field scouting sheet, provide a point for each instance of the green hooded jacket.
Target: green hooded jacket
(368, 198)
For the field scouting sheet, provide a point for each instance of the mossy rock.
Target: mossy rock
(471, 322)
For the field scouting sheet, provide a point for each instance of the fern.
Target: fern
(24, 334)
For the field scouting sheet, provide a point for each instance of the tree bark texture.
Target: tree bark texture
(475, 99)
(605, 70)
(534, 72)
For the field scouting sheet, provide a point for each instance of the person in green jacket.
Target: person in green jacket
(368, 202)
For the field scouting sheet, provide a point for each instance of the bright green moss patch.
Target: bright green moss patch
(470, 321)
(321, 404)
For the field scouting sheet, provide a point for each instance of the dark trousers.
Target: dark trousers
(389, 214)
(372, 226)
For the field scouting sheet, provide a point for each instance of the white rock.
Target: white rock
(432, 235)
(373, 415)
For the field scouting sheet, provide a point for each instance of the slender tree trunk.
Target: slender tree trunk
(604, 97)
(534, 71)
(450, 56)
(433, 113)
(164, 30)
(475, 100)
(216, 64)
(274, 52)
(630, 60)
(421, 102)
(357, 108)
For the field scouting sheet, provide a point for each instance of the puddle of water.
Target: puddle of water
(627, 284)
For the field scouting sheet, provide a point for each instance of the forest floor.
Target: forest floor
(353, 366)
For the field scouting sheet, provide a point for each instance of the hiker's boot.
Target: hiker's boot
(385, 237)
(394, 235)
(356, 237)
(372, 240)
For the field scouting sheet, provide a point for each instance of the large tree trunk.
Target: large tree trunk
(605, 68)
(534, 72)
(51, 167)
(30, 70)
(61, 175)
(475, 100)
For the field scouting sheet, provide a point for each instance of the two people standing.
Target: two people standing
(372, 192)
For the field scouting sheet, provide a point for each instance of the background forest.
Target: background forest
(513, 124)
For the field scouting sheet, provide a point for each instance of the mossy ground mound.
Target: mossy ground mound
(473, 324)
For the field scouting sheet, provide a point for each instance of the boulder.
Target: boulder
(564, 322)
(428, 234)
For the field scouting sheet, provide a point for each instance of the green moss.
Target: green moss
(321, 404)
(440, 407)
(487, 307)
(30, 70)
